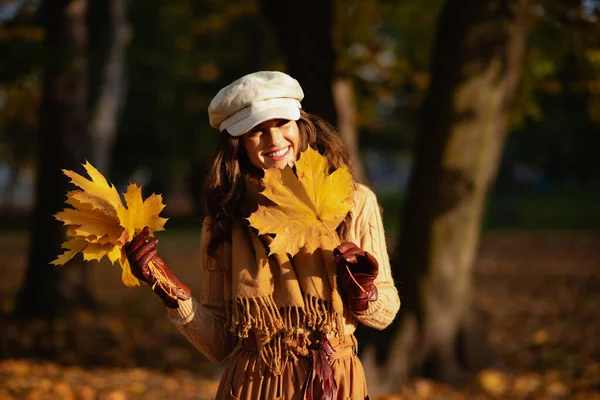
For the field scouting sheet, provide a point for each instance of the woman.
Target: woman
(284, 324)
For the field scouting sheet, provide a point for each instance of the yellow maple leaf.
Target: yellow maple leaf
(81, 199)
(140, 213)
(71, 247)
(99, 224)
(97, 188)
(309, 204)
(89, 223)
(126, 275)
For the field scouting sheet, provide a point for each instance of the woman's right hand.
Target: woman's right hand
(140, 252)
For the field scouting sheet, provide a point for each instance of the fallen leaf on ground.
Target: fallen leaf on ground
(493, 381)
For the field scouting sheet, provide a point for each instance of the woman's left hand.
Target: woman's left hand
(140, 252)
(356, 271)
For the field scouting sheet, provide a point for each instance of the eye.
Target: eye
(253, 133)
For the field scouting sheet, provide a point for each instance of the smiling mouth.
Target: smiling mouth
(279, 154)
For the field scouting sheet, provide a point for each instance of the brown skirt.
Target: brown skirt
(246, 378)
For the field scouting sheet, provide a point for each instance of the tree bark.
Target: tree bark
(475, 72)
(311, 59)
(63, 143)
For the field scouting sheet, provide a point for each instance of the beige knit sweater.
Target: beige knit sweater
(203, 321)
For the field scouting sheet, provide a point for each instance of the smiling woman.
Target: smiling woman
(273, 143)
(285, 322)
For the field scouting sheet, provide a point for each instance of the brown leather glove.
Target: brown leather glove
(140, 251)
(363, 268)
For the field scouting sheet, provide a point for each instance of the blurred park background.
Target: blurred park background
(476, 122)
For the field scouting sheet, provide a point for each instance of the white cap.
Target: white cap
(254, 99)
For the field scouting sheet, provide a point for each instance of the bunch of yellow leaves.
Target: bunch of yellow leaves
(99, 224)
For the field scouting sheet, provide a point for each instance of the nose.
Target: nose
(275, 136)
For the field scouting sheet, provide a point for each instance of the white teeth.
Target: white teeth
(278, 153)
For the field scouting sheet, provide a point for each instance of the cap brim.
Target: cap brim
(243, 126)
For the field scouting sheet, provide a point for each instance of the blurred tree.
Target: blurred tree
(311, 58)
(476, 69)
(108, 40)
(21, 41)
(385, 47)
(181, 53)
(309, 53)
(557, 134)
(18, 122)
(63, 143)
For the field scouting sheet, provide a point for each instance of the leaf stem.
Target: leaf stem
(348, 269)
(162, 280)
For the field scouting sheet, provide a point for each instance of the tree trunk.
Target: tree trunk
(63, 143)
(311, 59)
(104, 123)
(475, 73)
(343, 94)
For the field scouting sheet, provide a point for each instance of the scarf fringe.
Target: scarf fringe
(280, 333)
(259, 314)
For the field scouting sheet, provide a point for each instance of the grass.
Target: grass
(542, 210)
(556, 209)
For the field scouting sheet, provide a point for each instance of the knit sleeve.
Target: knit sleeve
(203, 321)
(382, 312)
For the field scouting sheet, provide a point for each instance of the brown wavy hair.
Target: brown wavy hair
(226, 191)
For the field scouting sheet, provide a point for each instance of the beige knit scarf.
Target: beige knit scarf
(281, 299)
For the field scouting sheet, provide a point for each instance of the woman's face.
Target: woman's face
(274, 143)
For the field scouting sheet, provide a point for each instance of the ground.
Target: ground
(539, 293)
